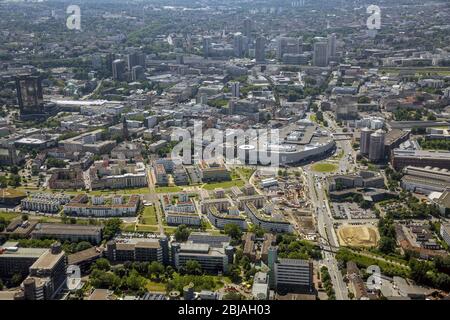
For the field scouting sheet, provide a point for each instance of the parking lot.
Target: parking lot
(347, 210)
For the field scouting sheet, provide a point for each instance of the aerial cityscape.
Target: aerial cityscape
(224, 150)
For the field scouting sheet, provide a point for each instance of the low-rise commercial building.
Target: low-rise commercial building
(81, 206)
(119, 175)
(44, 202)
(211, 259)
(213, 171)
(138, 249)
(420, 158)
(68, 232)
(16, 260)
(365, 179)
(425, 180)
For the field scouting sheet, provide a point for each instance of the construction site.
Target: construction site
(358, 235)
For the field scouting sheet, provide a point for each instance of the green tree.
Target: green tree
(182, 233)
(104, 280)
(102, 264)
(112, 227)
(233, 296)
(3, 224)
(233, 230)
(14, 180)
(3, 181)
(193, 267)
(16, 280)
(135, 281)
(83, 245)
(419, 270)
(387, 245)
(156, 268)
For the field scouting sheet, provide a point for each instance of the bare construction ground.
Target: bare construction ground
(358, 236)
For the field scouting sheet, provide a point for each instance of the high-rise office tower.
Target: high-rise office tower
(288, 45)
(180, 59)
(235, 89)
(125, 132)
(376, 148)
(365, 140)
(109, 59)
(272, 257)
(248, 26)
(238, 45)
(281, 47)
(135, 59)
(320, 56)
(29, 95)
(331, 46)
(118, 70)
(137, 73)
(206, 46)
(260, 50)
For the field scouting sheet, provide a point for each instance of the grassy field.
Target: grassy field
(245, 172)
(155, 286)
(8, 216)
(146, 228)
(324, 167)
(224, 184)
(149, 216)
(169, 230)
(168, 189)
(127, 227)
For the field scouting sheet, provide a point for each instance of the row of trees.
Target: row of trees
(436, 144)
(414, 209)
(432, 273)
(387, 242)
(326, 283)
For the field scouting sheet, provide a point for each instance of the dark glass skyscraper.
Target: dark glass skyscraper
(29, 95)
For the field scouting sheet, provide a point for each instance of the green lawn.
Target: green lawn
(146, 228)
(8, 216)
(224, 184)
(324, 167)
(149, 216)
(168, 189)
(127, 227)
(246, 172)
(214, 232)
(169, 230)
(155, 286)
